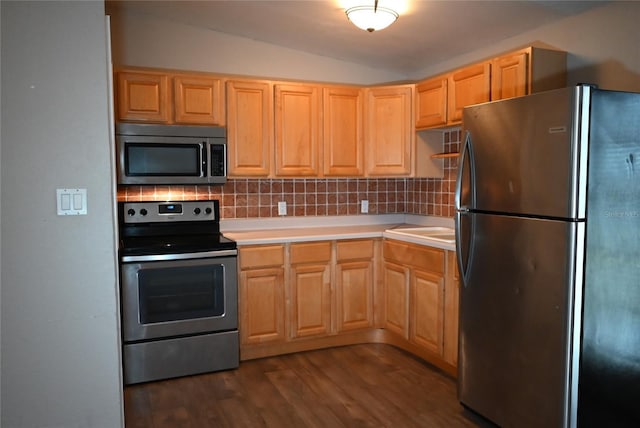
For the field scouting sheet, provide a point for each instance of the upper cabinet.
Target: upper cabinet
(389, 130)
(440, 100)
(470, 85)
(163, 97)
(527, 71)
(297, 130)
(249, 128)
(342, 132)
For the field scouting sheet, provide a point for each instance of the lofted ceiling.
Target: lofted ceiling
(426, 33)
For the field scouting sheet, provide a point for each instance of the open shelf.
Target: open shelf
(444, 155)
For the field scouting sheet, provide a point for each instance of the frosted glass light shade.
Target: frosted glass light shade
(370, 18)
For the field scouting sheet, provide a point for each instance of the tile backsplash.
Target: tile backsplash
(255, 198)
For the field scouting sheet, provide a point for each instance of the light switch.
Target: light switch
(71, 201)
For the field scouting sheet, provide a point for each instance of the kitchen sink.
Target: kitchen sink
(442, 234)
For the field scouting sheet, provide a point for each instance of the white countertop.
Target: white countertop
(304, 229)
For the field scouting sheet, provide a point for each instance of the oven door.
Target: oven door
(178, 297)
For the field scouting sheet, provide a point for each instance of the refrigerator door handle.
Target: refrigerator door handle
(465, 231)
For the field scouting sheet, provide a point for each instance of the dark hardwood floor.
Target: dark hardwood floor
(353, 386)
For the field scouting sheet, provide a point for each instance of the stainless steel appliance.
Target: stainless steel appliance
(178, 290)
(548, 239)
(170, 154)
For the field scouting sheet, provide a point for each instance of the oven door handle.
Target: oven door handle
(184, 256)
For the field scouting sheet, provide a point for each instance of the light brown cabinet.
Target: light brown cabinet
(354, 284)
(142, 97)
(414, 294)
(467, 86)
(389, 130)
(342, 132)
(261, 298)
(527, 71)
(163, 97)
(297, 130)
(249, 128)
(431, 102)
(310, 289)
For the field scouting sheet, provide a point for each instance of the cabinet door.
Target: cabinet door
(310, 289)
(249, 128)
(389, 130)
(509, 76)
(310, 300)
(427, 311)
(396, 295)
(354, 290)
(198, 100)
(431, 103)
(261, 302)
(471, 85)
(143, 97)
(342, 132)
(297, 130)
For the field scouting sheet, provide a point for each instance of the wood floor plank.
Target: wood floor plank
(370, 385)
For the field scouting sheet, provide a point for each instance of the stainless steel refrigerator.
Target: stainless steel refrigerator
(548, 242)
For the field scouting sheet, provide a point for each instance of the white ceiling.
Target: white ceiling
(428, 32)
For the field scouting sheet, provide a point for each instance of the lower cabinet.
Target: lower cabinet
(261, 294)
(300, 292)
(308, 295)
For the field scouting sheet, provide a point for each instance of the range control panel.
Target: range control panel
(160, 212)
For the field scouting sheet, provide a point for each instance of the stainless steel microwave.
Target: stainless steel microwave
(170, 154)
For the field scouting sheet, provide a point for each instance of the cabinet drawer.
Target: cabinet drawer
(263, 256)
(310, 252)
(354, 250)
(423, 257)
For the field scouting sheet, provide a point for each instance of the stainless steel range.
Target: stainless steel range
(178, 290)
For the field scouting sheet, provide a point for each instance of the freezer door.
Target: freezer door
(610, 370)
(515, 313)
(525, 155)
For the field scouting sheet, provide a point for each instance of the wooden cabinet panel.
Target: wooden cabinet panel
(198, 100)
(310, 300)
(396, 295)
(389, 131)
(261, 256)
(427, 311)
(261, 303)
(509, 76)
(431, 103)
(468, 86)
(310, 285)
(354, 290)
(420, 256)
(342, 132)
(249, 128)
(354, 250)
(297, 130)
(143, 97)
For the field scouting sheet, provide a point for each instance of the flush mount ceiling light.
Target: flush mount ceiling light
(371, 17)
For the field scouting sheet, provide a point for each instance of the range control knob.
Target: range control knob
(196, 211)
(143, 212)
(131, 212)
(207, 210)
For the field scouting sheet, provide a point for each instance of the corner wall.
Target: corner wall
(60, 332)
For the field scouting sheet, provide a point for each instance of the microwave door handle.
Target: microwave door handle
(203, 169)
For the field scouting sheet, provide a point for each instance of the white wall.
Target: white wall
(603, 46)
(60, 329)
(144, 41)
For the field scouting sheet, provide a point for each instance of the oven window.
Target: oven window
(163, 159)
(172, 294)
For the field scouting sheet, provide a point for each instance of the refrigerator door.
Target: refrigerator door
(515, 316)
(609, 386)
(526, 155)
